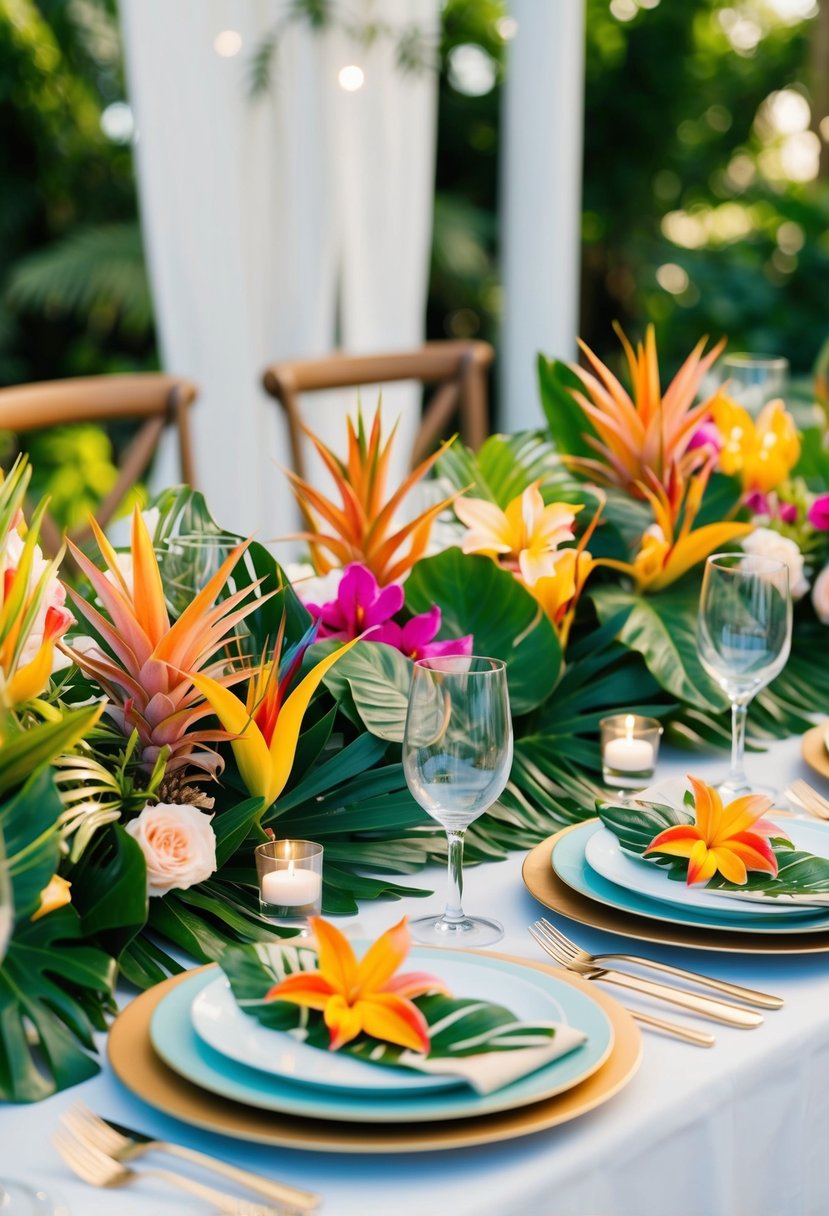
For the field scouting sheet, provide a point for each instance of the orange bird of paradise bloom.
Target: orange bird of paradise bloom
(366, 996)
(729, 840)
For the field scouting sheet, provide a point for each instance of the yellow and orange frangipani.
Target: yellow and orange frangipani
(671, 546)
(366, 996)
(647, 430)
(265, 728)
(363, 528)
(729, 840)
(761, 453)
(524, 537)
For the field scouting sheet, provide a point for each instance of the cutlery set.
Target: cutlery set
(570, 956)
(97, 1151)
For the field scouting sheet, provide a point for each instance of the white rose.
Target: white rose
(820, 595)
(765, 542)
(178, 844)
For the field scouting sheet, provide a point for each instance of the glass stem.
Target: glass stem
(737, 776)
(454, 910)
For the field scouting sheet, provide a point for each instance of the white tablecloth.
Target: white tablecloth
(739, 1130)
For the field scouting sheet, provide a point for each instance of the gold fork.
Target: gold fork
(801, 793)
(123, 1145)
(751, 997)
(719, 1011)
(94, 1167)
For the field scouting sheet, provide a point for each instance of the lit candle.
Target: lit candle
(293, 887)
(628, 755)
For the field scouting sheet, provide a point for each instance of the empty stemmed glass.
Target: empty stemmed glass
(457, 754)
(744, 633)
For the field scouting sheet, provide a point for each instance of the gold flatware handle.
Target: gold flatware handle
(281, 1192)
(701, 1038)
(707, 1007)
(764, 999)
(219, 1199)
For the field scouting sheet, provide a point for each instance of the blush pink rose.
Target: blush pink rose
(178, 844)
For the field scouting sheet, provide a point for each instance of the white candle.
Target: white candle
(629, 755)
(291, 888)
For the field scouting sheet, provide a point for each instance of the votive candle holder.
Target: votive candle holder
(630, 746)
(290, 880)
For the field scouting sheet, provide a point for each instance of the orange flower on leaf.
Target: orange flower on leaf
(728, 840)
(364, 996)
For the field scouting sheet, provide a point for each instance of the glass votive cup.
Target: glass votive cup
(290, 880)
(630, 746)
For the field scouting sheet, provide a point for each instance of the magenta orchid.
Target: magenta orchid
(819, 513)
(361, 604)
(415, 639)
(364, 609)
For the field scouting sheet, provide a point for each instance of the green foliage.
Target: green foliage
(467, 587)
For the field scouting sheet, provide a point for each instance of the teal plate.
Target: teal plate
(569, 864)
(178, 1045)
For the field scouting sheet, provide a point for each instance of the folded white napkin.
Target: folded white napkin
(492, 1070)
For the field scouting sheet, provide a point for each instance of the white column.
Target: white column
(541, 141)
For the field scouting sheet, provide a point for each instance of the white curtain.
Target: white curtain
(271, 222)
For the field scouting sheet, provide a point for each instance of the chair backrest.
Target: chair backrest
(458, 370)
(155, 399)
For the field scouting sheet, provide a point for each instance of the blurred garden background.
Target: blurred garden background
(705, 190)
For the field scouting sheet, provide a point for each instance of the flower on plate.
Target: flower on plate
(265, 726)
(765, 542)
(820, 596)
(360, 604)
(524, 538)
(178, 844)
(728, 840)
(761, 453)
(366, 996)
(647, 430)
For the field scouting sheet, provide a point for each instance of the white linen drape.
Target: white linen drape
(269, 223)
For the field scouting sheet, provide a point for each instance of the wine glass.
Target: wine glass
(754, 380)
(18, 1198)
(744, 633)
(457, 753)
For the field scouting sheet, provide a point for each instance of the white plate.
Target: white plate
(221, 1024)
(605, 855)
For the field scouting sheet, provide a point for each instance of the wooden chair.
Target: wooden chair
(155, 399)
(458, 370)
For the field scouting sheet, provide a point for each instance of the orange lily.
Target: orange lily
(144, 663)
(650, 430)
(524, 538)
(730, 840)
(366, 996)
(762, 453)
(361, 529)
(265, 727)
(669, 549)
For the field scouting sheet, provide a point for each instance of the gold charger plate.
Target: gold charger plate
(814, 749)
(543, 884)
(138, 1068)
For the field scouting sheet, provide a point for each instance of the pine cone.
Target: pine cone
(174, 788)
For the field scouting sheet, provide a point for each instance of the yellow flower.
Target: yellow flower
(730, 840)
(669, 549)
(524, 538)
(55, 895)
(761, 453)
(366, 996)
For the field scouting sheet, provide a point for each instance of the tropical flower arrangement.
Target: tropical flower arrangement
(157, 721)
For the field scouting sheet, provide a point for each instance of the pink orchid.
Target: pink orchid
(706, 436)
(361, 604)
(819, 513)
(758, 503)
(788, 513)
(772, 507)
(415, 638)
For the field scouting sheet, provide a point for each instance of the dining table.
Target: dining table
(739, 1129)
